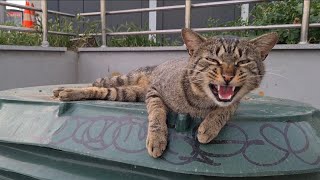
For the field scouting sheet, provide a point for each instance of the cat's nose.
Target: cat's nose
(227, 78)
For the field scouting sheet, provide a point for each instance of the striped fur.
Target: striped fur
(133, 78)
(186, 86)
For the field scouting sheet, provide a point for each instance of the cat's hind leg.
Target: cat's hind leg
(133, 78)
(115, 81)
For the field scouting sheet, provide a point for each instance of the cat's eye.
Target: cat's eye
(214, 61)
(243, 62)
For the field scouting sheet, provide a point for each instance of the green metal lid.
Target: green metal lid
(267, 137)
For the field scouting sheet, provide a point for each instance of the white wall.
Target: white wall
(34, 68)
(292, 73)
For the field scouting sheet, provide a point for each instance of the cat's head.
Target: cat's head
(226, 68)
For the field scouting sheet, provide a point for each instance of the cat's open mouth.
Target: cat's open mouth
(224, 93)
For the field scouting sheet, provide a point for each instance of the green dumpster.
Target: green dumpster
(42, 138)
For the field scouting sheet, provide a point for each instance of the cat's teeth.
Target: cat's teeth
(229, 97)
(233, 88)
(219, 89)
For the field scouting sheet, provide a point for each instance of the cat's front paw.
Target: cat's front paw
(57, 91)
(68, 94)
(156, 143)
(206, 133)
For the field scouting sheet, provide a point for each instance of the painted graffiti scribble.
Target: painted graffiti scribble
(84, 131)
(106, 132)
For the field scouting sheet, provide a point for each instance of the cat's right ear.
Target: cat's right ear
(191, 39)
(265, 43)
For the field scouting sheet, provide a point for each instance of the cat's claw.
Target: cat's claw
(56, 92)
(156, 143)
(68, 94)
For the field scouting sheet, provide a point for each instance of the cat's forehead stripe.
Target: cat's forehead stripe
(227, 45)
(221, 51)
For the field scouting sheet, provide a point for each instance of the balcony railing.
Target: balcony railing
(304, 26)
(44, 17)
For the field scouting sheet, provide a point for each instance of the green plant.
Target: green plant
(276, 12)
(59, 24)
(18, 38)
(136, 40)
(70, 25)
(86, 28)
(34, 39)
(279, 13)
(216, 23)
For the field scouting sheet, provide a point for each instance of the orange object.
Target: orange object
(27, 21)
(261, 93)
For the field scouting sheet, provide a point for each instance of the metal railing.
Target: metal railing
(304, 26)
(44, 21)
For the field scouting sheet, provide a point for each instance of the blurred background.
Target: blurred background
(268, 13)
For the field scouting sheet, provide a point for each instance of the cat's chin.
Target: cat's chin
(222, 104)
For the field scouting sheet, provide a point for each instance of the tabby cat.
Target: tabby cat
(220, 71)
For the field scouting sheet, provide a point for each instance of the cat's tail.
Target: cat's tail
(140, 76)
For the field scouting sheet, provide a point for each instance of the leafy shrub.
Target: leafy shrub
(17, 38)
(136, 40)
(287, 12)
(277, 12)
(215, 23)
(35, 39)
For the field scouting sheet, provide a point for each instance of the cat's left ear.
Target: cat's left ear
(265, 43)
(192, 40)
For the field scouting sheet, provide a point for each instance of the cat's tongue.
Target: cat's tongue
(225, 92)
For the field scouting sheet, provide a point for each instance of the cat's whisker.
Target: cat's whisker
(256, 76)
(253, 76)
(278, 75)
(273, 69)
